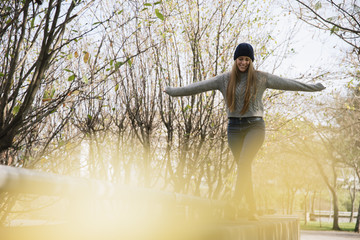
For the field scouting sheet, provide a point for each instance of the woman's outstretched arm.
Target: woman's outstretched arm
(275, 82)
(195, 88)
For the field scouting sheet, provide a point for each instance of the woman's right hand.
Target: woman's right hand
(167, 89)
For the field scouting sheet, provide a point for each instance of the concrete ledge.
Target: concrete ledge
(267, 228)
(139, 214)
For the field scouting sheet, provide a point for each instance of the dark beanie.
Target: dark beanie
(244, 49)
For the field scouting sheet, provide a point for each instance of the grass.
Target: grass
(326, 226)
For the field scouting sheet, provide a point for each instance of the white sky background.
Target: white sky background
(314, 49)
(315, 52)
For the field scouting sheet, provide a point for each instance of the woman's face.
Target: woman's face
(243, 63)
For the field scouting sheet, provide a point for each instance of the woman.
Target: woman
(243, 89)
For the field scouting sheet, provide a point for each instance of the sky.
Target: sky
(315, 51)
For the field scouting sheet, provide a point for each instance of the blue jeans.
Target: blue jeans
(245, 137)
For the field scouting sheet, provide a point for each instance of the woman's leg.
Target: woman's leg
(245, 140)
(251, 144)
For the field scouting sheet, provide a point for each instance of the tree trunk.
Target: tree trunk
(305, 209)
(336, 210)
(357, 225)
(352, 198)
(332, 188)
(312, 210)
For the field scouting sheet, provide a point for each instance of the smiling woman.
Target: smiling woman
(243, 63)
(243, 89)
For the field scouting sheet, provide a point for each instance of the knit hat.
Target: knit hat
(244, 49)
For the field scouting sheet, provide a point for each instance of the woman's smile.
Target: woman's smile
(243, 63)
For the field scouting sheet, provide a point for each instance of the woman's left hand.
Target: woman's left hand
(320, 86)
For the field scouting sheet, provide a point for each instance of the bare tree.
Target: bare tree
(33, 41)
(339, 18)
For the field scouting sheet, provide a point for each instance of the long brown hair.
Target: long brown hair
(250, 87)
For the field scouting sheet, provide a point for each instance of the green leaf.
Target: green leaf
(187, 108)
(71, 78)
(159, 15)
(89, 116)
(318, 5)
(159, 2)
(52, 92)
(86, 57)
(1, 74)
(16, 109)
(32, 23)
(147, 4)
(85, 79)
(334, 29)
(46, 95)
(116, 87)
(68, 70)
(118, 65)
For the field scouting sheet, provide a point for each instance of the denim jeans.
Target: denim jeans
(245, 137)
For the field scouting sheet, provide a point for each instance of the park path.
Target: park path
(328, 235)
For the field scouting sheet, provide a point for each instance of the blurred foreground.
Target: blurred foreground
(77, 208)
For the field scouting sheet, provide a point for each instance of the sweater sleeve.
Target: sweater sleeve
(195, 88)
(275, 82)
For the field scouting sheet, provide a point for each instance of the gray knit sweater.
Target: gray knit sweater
(256, 107)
